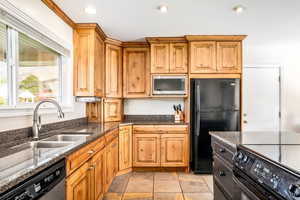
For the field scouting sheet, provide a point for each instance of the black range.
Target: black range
(268, 166)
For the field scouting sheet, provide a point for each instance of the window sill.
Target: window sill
(28, 110)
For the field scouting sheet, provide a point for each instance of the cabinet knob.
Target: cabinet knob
(91, 152)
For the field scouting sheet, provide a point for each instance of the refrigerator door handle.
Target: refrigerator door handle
(197, 127)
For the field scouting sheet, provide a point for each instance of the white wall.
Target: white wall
(285, 54)
(42, 14)
(151, 106)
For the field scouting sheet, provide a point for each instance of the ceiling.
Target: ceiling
(263, 20)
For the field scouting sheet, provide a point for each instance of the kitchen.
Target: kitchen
(138, 100)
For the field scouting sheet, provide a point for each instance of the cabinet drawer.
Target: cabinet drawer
(223, 175)
(77, 158)
(124, 129)
(223, 152)
(98, 144)
(160, 129)
(111, 135)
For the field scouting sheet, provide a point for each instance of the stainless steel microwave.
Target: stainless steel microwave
(169, 84)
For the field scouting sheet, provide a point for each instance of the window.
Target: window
(29, 70)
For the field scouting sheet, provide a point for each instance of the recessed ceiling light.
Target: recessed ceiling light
(239, 9)
(90, 10)
(163, 8)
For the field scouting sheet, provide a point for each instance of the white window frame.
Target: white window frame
(17, 21)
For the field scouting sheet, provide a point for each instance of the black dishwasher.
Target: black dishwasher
(49, 184)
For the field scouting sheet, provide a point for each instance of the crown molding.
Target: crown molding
(215, 37)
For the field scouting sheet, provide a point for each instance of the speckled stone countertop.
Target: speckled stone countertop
(21, 161)
(25, 160)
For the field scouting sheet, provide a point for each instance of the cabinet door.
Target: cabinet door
(78, 184)
(125, 147)
(203, 57)
(174, 148)
(160, 58)
(83, 63)
(99, 66)
(112, 161)
(113, 71)
(229, 57)
(98, 177)
(112, 110)
(146, 150)
(136, 75)
(178, 58)
(93, 111)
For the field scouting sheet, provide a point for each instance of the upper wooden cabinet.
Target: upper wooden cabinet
(136, 72)
(229, 57)
(168, 56)
(178, 58)
(113, 71)
(93, 111)
(113, 110)
(203, 57)
(160, 58)
(88, 60)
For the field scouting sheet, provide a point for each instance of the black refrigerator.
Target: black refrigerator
(215, 106)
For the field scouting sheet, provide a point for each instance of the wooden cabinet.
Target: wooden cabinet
(169, 58)
(229, 57)
(93, 111)
(113, 110)
(112, 162)
(98, 175)
(203, 57)
(178, 58)
(78, 185)
(136, 72)
(160, 58)
(160, 146)
(113, 71)
(88, 61)
(174, 149)
(146, 150)
(125, 147)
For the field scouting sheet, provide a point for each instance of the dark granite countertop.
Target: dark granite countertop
(23, 159)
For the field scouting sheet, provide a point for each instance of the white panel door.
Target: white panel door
(261, 99)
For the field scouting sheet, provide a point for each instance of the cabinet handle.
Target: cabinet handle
(142, 150)
(91, 152)
(222, 173)
(222, 150)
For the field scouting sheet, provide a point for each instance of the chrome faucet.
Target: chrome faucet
(37, 122)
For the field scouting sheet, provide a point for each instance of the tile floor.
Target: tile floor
(161, 186)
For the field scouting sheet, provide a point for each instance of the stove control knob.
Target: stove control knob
(240, 156)
(295, 190)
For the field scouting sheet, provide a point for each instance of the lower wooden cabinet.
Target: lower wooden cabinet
(174, 150)
(112, 162)
(125, 147)
(146, 150)
(160, 146)
(78, 184)
(98, 175)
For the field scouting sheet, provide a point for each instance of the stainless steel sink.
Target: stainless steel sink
(43, 145)
(67, 137)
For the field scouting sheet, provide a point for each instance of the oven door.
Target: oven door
(249, 190)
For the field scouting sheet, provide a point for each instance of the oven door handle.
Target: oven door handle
(244, 189)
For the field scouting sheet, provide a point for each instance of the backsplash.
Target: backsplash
(162, 106)
(129, 118)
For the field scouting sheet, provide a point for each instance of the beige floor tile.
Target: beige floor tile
(112, 196)
(167, 186)
(209, 181)
(168, 196)
(165, 176)
(139, 186)
(198, 196)
(137, 196)
(190, 177)
(192, 186)
(142, 176)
